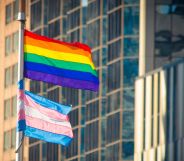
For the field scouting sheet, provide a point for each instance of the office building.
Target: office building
(159, 87)
(8, 86)
(102, 122)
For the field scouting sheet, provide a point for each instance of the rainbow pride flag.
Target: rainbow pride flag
(43, 119)
(60, 63)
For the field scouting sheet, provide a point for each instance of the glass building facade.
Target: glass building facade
(103, 122)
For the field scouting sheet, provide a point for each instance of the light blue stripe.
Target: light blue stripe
(47, 136)
(21, 125)
(21, 84)
(49, 104)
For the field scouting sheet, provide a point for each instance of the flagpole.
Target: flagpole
(21, 19)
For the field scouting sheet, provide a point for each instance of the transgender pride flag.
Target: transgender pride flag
(43, 119)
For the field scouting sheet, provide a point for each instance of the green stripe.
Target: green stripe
(29, 57)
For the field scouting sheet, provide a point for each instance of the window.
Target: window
(113, 102)
(35, 86)
(7, 140)
(113, 128)
(36, 11)
(74, 19)
(93, 9)
(91, 136)
(74, 117)
(54, 95)
(131, 47)
(15, 73)
(112, 4)
(131, 20)
(15, 9)
(54, 29)
(7, 45)
(92, 110)
(53, 9)
(128, 125)
(113, 76)
(8, 13)
(14, 106)
(7, 109)
(112, 153)
(128, 99)
(114, 24)
(114, 50)
(15, 42)
(92, 156)
(93, 31)
(74, 36)
(8, 77)
(130, 68)
(13, 138)
(128, 150)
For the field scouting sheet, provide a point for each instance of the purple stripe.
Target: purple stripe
(72, 83)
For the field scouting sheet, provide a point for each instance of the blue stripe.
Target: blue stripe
(61, 72)
(47, 136)
(49, 104)
(21, 84)
(21, 125)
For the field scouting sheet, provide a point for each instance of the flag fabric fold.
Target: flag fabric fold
(60, 63)
(43, 119)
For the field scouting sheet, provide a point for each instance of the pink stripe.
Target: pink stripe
(21, 115)
(50, 127)
(46, 111)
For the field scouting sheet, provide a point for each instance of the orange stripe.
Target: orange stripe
(55, 47)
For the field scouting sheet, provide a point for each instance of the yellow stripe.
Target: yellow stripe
(58, 55)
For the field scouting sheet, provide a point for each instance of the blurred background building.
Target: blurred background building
(127, 37)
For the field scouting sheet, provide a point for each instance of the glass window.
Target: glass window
(113, 3)
(128, 150)
(70, 96)
(131, 20)
(92, 156)
(7, 140)
(114, 50)
(163, 33)
(14, 106)
(93, 34)
(112, 153)
(130, 69)
(54, 29)
(44, 151)
(15, 73)
(128, 125)
(36, 14)
(74, 36)
(73, 4)
(7, 109)
(74, 19)
(8, 13)
(54, 95)
(52, 151)
(113, 102)
(128, 99)
(53, 9)
(15, 42)
(74, 117)
(8, 77)
(91, 136)
(92, 110)
(131, 47)
(113, 128)
(72, 149)
(15, 9)
(35, 86)
(113, 81)
(34, 153)
(13, 138)
(114, 24)
(7, 45)
(93, 9)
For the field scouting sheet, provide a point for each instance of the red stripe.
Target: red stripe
(44, 38)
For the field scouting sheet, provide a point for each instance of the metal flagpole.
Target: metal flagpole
(21, 18)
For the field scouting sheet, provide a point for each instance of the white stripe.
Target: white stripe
(29, 111)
